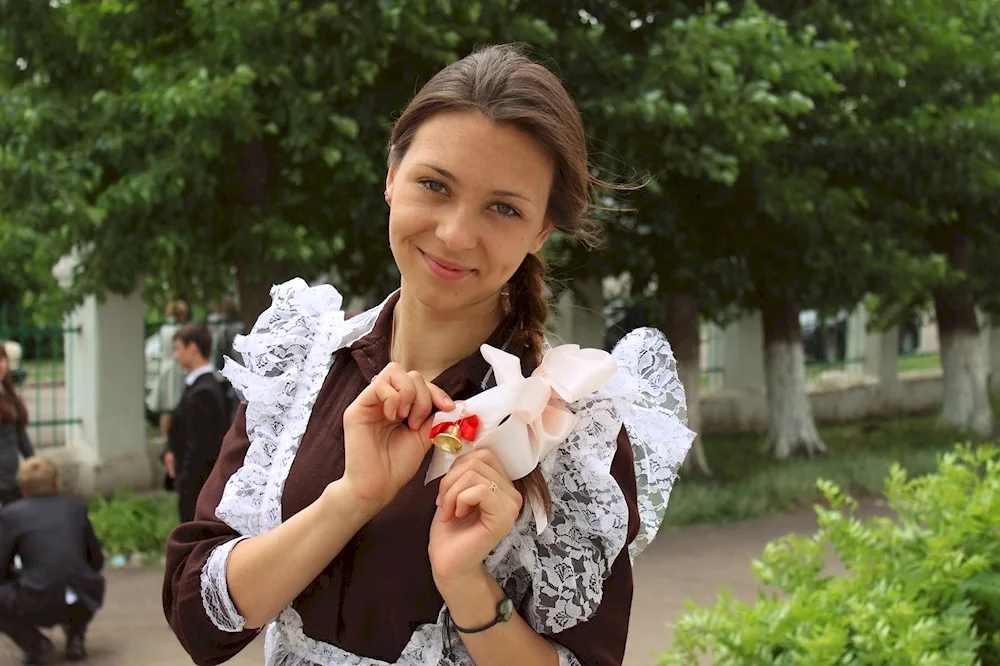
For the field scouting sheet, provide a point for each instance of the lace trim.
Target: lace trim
(649, 393)
(565, 567)
(215, 591)
(561, 572)
(287, 357)
(287, 645)
(566, 658)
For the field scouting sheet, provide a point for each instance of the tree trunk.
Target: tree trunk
(682, 329)
(792, 428)
(964, 364)
(254, 276)
(254, 292)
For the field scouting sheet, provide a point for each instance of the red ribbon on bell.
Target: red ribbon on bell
(449, 435)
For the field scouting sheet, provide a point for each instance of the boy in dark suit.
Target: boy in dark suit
(60, 579)
(199, 422)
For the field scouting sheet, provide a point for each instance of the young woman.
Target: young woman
(14, 441)
(331, 517)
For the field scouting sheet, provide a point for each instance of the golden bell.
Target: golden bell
(449, 441)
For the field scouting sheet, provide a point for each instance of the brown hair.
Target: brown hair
(38, 476)
(11, 406)
(198, 334)
(509, 88)
(178, 310)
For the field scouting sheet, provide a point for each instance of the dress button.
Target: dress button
(324, 581)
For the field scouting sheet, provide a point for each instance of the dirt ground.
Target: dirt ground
(681, 565)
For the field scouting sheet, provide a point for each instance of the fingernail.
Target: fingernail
(406, 412)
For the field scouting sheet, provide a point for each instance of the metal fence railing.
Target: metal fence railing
(43, 373)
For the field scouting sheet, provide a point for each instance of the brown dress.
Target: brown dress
(379, 590)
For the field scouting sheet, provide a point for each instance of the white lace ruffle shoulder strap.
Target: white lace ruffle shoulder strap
(564, 568)
(287, 356)
(650, 397)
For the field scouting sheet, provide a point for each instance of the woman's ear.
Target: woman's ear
(390, 178)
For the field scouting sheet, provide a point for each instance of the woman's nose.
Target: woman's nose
(457, 229)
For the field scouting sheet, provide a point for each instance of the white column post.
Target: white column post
(743, 351)
(994, 358)
(858, 343)
(105, 389)
(581, 321)
(713, 352)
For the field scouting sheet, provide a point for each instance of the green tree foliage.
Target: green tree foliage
(23, 256)
(174, 143)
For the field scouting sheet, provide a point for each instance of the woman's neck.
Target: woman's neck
(431, 341)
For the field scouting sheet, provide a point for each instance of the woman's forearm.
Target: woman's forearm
(473, 603)
(266, 573)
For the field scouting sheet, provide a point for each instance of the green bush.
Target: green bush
(921, 588)
(128, 524)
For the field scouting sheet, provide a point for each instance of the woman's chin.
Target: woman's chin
(450, 296)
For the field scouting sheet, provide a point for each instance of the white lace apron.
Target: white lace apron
(287, 357)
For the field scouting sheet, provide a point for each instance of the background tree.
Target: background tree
(925, 151)
(722, 109)
(184, 145)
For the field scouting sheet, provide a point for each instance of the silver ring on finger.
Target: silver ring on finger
(494, 488)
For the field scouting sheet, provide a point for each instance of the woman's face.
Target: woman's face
(468, 203)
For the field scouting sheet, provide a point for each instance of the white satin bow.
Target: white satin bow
(522, 419)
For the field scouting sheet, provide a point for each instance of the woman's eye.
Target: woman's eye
(435, 186)
(507, 210)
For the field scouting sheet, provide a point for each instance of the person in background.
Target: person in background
(169, 384)
(200, 421)
(14, 441)
(225, 324)
(59, 581)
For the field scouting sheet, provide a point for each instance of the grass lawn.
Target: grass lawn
(920, 362)
(747, 484)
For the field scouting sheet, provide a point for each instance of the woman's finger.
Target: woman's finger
(450, 484)
(483, 461)
(422, 401)
(397, 377)
(489, 502)
(441, 399)
(449, 499)
(384, 393)
(490, 459)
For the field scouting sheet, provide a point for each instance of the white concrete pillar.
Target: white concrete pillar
(743, 351)
(993, 354)
(581, 321)
(713, 353)
(857, 341)
(882, 357)
(105, 389)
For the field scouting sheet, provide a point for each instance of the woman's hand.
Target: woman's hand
(387, 433)
(477, 507)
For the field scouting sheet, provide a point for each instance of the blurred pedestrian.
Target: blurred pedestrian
(14, 441)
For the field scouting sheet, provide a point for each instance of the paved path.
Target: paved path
(689, 564)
